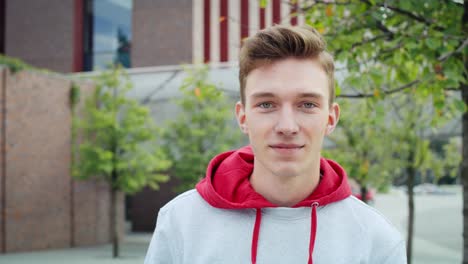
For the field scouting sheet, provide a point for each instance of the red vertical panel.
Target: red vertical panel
(206, 31)
(223, 36)
(262, 17)
(294, 9)
(244, 17)
(276, 12)
(78, 36)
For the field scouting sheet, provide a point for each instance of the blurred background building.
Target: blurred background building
(85, 35)
(150, 37)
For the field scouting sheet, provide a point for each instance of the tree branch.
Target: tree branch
(372, 59)
(408, 14)
(414, 16)
(305, 8)
(449, 54)
(386, 92)
(147, 98)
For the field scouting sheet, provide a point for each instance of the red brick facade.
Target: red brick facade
(41, 206)
(162, 32)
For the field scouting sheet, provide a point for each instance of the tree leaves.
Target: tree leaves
(119, 138)
(202, 129)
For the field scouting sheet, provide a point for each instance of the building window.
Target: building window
(107, 33)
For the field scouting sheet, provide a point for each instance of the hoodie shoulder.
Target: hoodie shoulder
(383, 238)
(187, 199)
(367, 214)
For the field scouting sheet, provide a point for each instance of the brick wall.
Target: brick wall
(44, 207)
(162, 32)
(40, 32)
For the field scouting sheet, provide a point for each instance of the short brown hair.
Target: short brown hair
(281, 42)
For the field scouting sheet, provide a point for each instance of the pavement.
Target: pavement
(438, 234)
(438, 223)
(133, 250)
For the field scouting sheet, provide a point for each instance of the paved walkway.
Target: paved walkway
(133, 251)
(438, 238)
(438, 224)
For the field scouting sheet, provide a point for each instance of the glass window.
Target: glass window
(108, 33)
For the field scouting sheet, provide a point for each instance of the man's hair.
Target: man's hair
(280, 42)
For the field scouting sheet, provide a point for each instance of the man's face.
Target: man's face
(287, 115)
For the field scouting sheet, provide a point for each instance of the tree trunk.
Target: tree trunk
(464, 175)
(464, 165)
(115, 234)
(410, 184)
(364, 193)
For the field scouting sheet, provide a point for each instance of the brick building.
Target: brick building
(85, 35)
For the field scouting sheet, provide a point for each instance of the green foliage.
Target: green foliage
(119, 142)
(452, 158)
(75, 94)
(16, 65)
(201, 130)
(375, 138)
(362, 144)
(418, 120)
(385, 45)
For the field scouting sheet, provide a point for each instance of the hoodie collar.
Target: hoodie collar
(227, 184)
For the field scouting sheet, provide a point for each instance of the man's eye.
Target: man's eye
(308, 105)
(266, 105)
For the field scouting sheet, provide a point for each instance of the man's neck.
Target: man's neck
(284, 191)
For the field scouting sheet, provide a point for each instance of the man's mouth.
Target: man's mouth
(285, 146)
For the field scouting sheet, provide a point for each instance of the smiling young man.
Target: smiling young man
(277, 200)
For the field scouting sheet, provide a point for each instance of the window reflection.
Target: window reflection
(107, 33)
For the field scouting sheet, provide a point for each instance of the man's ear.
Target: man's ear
(333, 117)
(240, 115)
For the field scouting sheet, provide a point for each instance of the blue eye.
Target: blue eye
(266, 105)
(308, 105)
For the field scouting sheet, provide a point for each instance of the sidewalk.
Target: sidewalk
(438, 224)
(133, 251)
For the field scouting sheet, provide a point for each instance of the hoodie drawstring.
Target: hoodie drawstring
(313, 232)
(256, 231)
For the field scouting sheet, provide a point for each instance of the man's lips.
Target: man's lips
(286, 146)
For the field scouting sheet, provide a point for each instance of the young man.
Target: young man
(277, 200)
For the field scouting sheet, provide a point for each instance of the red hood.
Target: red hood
(227, 185)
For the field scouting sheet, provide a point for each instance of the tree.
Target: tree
(388, 47)
(361, 144)
(414, 119)
(201, 130)
(378, 141)
(118, 143)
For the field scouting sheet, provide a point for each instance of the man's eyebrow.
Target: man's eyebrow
(262, 94)
(315, 95)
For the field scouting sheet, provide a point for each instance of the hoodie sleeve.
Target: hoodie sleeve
(161, 248)
(397, 255)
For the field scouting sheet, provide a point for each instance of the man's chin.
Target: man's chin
(286, 171)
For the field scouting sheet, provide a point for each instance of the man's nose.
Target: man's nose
(286, 123)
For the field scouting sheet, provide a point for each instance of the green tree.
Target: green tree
(414, 119)
(390, 46)
(379, 140)
(203, 129)
(361, 144)
(118, 143)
